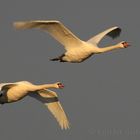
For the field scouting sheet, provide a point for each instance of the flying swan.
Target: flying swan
(13, 92)
(76, 49)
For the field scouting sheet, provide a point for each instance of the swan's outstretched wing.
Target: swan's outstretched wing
(50, 99)
(55, 28)
(112, 32)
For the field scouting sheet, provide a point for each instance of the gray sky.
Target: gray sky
(101, 95)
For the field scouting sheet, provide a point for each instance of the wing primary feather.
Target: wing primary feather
(50, 99)
(58, 112)
(55, 28)
(114, 33)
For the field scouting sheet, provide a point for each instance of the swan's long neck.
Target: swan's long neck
(40, 87)
(109, 48)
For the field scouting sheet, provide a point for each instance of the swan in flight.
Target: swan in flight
(76, 49)
(12, 92)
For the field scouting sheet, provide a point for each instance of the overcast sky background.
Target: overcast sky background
(101, 95)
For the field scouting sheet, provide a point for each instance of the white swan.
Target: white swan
(12, 92)
(76, 49)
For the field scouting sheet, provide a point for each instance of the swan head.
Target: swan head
(124, 44)
(59, 85)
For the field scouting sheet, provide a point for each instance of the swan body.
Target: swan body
(13, 92)
(76, 50)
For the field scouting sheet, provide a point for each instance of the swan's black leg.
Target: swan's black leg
(60, 58)
(55, 59)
